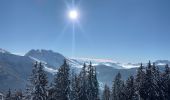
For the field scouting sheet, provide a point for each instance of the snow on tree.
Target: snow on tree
(75, 87)
(139, 82)
(37, 89)
(31, 82)
(61, 85)
(130, 89)
(92, 82)
(166, 82)
(150, 89)
(118, 88)
(148, 84)
(83, 83)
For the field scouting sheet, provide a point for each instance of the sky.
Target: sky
(122, 30)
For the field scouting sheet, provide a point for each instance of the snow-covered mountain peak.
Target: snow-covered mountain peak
(53, 59)
(4, 51)
(41, 51)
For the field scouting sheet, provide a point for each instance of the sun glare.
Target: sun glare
(73, 14)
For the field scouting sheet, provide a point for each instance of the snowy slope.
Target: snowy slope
(14, 70)
(46, 68)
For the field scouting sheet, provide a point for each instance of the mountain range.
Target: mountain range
(15, 69)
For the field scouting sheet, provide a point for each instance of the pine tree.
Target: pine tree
(31, 82)
(92, 90)
(139, 81)
(83, 84)
(118, 88)
(37, 89)
(96, 85)
(150, 85)
(106, 93)
(157, 80)
(75, 87)
(166, 82)
(130, 89)
(62, 83)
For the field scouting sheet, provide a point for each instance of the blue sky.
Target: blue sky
(122, 30)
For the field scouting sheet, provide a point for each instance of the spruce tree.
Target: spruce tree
(83, 83)
(157, 80)
(139, 81)
(37, 89)
(93, 90)
(61, 85)
(31, 82)
(130, 89)
(118, 88)
(150, 85)
(166, 82)
(75, 87)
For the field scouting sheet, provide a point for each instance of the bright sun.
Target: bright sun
(73, 14)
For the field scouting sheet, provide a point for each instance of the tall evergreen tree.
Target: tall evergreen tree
(118, 88)
(130, 89)
(93, 86)
(166, 82)
(62, 83)
(96, 85)
(75, 87)
(38, 83)
(31, 82)
(83, 83)
(139, 81)
(106, 93)
(157, 80)
(150, 85)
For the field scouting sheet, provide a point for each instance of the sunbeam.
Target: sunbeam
(84, 33)
(73, 15)
(60, 36)
(73, 40)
